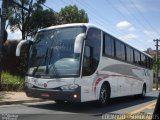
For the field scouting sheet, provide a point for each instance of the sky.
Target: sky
(135, 22)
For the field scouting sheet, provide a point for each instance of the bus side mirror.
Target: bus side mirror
(20, 44)
(79, 42)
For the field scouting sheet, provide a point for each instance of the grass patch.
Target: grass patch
(12, 82)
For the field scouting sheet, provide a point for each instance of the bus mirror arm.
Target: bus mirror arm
(20, 44)
(79, 42)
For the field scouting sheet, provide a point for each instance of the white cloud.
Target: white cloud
(123, 25)
(128, 37)
(17, 35)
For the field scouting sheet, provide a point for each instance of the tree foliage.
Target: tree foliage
(11, 63)
(18, 17)
(36, 17)
(41, 19)
(71, 14)
(156, 64)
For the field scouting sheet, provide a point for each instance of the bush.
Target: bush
(12, 82)
(11, 63)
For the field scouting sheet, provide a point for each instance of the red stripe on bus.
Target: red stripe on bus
(107, 76)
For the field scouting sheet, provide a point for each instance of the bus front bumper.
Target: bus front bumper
(70, 95)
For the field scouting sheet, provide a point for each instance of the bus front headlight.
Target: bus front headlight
(69, 87)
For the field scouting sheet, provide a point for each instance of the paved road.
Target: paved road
(84, 111)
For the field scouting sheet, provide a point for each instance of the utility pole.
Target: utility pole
(2, 31)
(157, 45)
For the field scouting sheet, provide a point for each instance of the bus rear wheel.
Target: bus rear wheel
(104, 95)
(143, 94)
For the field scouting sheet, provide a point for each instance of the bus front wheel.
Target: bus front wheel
(104, 95)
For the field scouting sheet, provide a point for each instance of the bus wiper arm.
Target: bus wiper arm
(49, 61)
(35, 70)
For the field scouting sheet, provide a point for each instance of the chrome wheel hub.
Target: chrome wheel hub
(103, 95)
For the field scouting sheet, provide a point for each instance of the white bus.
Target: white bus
(80, 62)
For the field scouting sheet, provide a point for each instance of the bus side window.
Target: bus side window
(129, 52)
(109, 46)
(88, 61)
(143, 60)
(91, 54)
(147, 61)
(151, 63)
(87, 57)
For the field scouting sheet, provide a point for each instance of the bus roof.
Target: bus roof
(68, 25)
(88, 25)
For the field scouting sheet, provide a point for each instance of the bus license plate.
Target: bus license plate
(45, 95)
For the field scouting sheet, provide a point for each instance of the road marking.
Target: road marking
(134, 115)
(143, 108)
(151, 107)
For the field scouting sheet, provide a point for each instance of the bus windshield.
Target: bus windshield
(52, 53)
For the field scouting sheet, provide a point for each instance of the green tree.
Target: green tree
(41, 19)
(71, 14)
(18, 18)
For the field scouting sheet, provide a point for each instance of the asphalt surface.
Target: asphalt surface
(79, 111)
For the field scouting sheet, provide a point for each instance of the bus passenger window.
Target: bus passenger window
(136, 57)
(129, 54)
(147, 61)
(120, 50)
(142, 60)
(108, 46)
(123, 54)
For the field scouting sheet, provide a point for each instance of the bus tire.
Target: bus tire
(104, 95)
(143, 94)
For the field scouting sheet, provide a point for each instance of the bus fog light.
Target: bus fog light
(75, 96)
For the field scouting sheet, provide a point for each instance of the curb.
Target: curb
(20, 101)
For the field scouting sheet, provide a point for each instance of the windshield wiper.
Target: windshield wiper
(55, 72)
(50, 58)
(49, 61)
(35, 70)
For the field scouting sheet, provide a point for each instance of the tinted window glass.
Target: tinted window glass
(150, 63)
(108, 45)
(123, 51)
(136, 57)
(147, 62)
(129, 52)
(92, 51)
(143, 60)
(120, 50)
